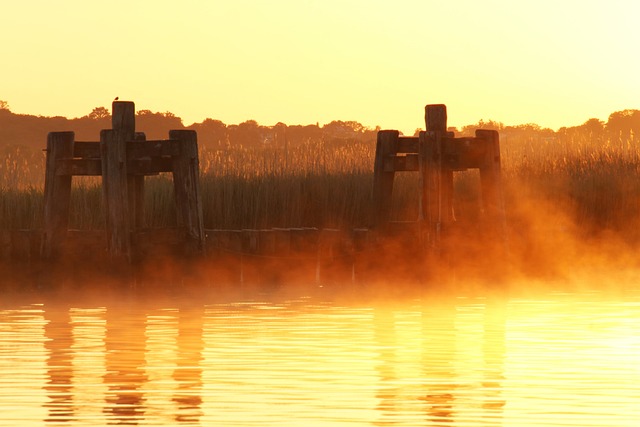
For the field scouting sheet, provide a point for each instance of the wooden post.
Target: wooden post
(123, 118)
(491, 181)
(435, 117)
(115, 192)
(57, 193)
(437, 178)
(135, 188)
(383, 179)
(187, 191)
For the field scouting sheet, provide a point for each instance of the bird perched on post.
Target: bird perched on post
(116, 98)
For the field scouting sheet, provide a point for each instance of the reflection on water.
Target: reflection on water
(59, 344)
(125, 376)
(188, 372)
(565, 359)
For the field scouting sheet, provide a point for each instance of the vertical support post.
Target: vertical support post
(123, 119)
(491, 181)
(437, 177)
(115, 183)
(187, 188)
(386, 146)
(115, 192)
(57, 193)
(135, 188)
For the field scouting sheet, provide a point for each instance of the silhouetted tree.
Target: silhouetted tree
(157, 125)
(212, 134)
(622, 126)
(99, 113)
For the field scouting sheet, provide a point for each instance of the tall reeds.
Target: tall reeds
(328, 184)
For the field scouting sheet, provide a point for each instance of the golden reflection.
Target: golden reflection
(58, 343)
(493, 352)
(188, 372)
(437, 359)
(125, 362)
(568, 359)
(385, 336)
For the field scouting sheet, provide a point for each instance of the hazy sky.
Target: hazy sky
(551, 62)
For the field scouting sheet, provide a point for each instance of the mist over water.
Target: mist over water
(462, 358)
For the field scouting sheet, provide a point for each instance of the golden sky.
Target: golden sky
(551, 62)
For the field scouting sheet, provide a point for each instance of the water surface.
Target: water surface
(554, 359)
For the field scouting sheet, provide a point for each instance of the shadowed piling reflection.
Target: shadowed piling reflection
(59, 342)
(188, 373)
(493, 352)
(385, 335)
(125, 362)
(438, 353)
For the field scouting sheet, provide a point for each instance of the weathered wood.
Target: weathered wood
(135, 189)
(408, 163)
(408, 144)
(123, 157)
(86, 149)
(115, 192)
(80, 167)
(383, 180)
(463, 153)
(491, 180)
(123, 118)
(158, 148)
(187, 188)
(437, 178)
(57, 193)
(435, 117)
(149, 165)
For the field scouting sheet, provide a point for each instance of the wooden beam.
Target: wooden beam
(79, 167)
(115, 193)
(386, 146)
(159, 148)
(57, 193)
(491, 180)
(408, 163)
(123, 118)
(187, 189)
(408, 144)
(87, 149)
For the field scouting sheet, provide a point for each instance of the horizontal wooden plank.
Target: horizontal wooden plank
(464, 153)
(86, 149)
(135, 149)
(149, 165)
(408, 163)
(157, 148)
(408, 144)
(80, 167)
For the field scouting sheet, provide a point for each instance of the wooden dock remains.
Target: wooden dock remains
(436, 155)
(122, 157)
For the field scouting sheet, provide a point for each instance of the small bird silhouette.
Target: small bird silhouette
(116, 98)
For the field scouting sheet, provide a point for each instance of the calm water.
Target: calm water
(558, 359)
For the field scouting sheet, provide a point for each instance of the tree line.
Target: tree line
(31, 131)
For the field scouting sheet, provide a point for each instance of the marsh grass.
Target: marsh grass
(328, 184)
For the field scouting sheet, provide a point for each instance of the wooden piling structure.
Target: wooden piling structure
(436, 154)
(122, 157)
(57, 193)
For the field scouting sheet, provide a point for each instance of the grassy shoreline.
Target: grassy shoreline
(593, 187)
